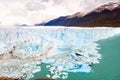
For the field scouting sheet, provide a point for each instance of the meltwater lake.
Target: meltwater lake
(62, 53)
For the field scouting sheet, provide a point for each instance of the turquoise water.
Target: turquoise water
(108, 69)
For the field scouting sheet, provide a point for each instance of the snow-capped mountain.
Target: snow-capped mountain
(105, 15)
(109, 6)
(78, 14)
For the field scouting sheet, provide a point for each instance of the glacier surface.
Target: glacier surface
(63, 49)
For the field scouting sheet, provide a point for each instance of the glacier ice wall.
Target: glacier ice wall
(66, 49)
(37, 40)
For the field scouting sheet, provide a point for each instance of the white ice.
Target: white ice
(72, 48)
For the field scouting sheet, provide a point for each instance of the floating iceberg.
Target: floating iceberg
(64, 49)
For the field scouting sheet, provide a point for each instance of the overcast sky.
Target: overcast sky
(13, 12)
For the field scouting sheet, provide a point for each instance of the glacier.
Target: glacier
(63, 49)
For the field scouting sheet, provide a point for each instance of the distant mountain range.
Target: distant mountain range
(107, 15)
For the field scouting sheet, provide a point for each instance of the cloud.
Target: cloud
(30, 12)
(35, 6)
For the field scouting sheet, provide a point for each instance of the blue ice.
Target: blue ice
(58, 41)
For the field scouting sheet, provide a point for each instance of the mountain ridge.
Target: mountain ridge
(105, 15)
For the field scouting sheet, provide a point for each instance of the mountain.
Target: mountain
(107, 15)
(78, 14)
(109, 6)
(69, 20)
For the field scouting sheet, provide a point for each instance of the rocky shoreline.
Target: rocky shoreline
(5, 78)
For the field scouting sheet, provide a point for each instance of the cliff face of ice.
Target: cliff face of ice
(66, 49)
(38, 40)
